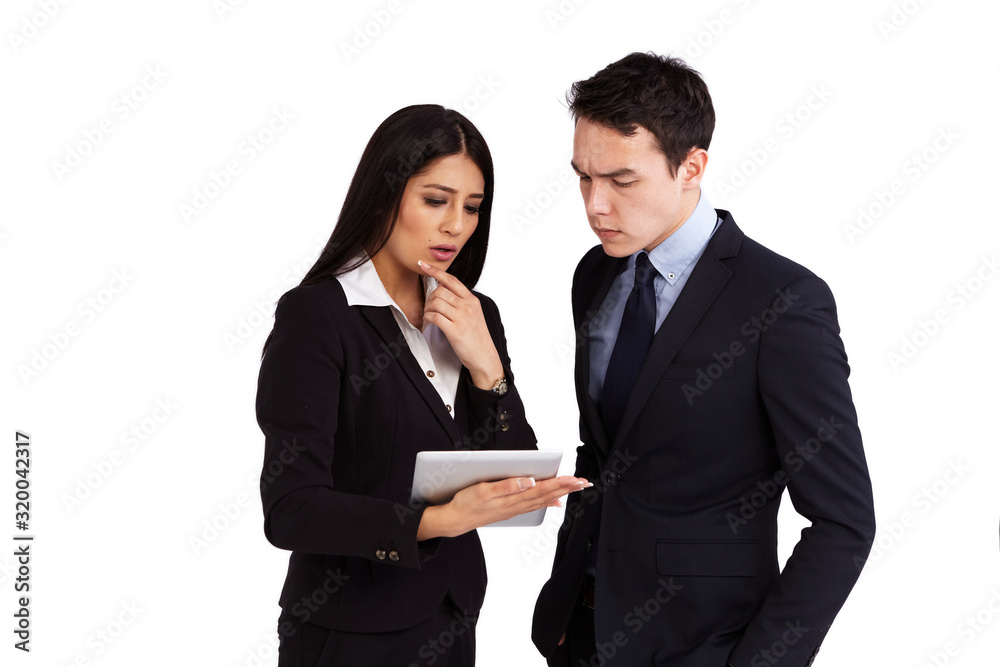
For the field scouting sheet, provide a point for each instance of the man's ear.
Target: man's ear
(693, 168)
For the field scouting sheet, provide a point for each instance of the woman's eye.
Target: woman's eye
(435, 202)
(472, 209)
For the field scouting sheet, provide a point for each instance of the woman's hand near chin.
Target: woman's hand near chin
(454, 309)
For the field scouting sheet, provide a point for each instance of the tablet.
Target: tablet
(438, 476)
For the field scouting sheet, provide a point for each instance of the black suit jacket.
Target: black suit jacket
(345, 408)
(743, 392)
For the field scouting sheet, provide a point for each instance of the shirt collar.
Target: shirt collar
(363, 287)
(676, 253)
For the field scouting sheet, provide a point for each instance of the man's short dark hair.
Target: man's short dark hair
(660, 93)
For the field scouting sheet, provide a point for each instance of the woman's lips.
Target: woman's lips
(443, 253)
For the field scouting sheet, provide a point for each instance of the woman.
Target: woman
(381, 352)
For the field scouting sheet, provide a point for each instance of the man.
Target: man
(710, 376)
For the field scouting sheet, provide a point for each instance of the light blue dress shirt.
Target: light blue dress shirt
(674, 259)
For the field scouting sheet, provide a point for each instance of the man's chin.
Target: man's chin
(614, 248)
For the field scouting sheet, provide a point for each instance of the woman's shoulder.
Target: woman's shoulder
(326, 294)
(321, 306)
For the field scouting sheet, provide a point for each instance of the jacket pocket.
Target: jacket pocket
(708, 558)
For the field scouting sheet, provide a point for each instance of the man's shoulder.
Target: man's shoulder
(769, 264)
(752, 260)
(760, 273)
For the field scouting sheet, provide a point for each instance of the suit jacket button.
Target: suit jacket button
(503, 416)
(504, 426)
(380, 554)
(393, 555)
(612, 478)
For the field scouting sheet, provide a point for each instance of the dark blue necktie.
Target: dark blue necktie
(634, 338)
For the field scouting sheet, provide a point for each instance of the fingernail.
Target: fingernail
(421, 264)
(526, 483)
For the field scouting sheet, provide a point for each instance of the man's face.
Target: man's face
(632, 201)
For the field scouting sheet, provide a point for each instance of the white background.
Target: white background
(195, 296)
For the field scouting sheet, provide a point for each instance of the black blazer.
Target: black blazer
(345, 408)
(744, 391)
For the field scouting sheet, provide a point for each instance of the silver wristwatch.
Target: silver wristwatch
(500, 388)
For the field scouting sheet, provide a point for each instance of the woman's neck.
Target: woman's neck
(405, 287)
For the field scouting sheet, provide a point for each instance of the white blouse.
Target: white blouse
(430, 347)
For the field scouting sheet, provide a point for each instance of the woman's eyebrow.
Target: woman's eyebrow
(453, 191)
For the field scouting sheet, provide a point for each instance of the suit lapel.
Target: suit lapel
(707, 279)
(381, 319)
(604, 275)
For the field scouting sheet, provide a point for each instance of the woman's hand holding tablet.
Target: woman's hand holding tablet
(489, 502)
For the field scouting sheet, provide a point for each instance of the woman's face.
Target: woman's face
(438, 213)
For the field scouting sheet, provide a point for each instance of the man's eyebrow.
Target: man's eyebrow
(624, 171)
(445, 188)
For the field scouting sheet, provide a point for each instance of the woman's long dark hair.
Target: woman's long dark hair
(404, 144)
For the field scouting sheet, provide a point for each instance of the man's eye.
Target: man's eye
(623, 185)
(584, 178)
